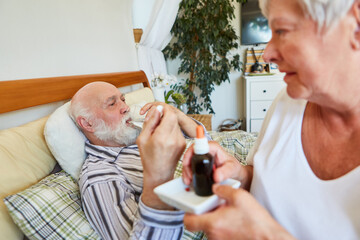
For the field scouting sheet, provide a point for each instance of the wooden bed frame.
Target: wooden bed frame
(19, 94)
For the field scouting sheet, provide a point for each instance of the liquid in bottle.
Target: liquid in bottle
(202, 165)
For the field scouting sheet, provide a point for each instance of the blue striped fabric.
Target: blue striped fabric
(111, 185)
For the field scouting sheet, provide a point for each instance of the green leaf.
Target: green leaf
(168, 95)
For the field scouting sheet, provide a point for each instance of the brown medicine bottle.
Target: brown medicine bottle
(202, 165)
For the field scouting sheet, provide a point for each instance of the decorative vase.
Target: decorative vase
(183, 108)
(159, 94)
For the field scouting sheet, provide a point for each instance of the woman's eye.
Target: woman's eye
(279, 32)
(112, 104)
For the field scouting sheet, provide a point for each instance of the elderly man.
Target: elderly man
(117, 193)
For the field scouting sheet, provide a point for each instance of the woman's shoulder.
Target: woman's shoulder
(283, 116)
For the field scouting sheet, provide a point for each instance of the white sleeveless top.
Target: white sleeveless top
(283, 182)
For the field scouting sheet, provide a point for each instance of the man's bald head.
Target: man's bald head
(100, 111)
(89, 95)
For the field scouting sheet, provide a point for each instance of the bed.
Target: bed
(42, 200)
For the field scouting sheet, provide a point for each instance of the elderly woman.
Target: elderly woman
(303, 171)
(306, 160)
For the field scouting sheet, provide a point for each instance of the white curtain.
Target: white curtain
(156, 37)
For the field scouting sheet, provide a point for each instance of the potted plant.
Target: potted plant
(178, 99)
(204, 38)
(158, 83)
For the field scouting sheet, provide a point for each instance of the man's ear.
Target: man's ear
(355, 41)
(85, 124)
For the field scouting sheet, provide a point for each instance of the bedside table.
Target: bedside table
(260, 92)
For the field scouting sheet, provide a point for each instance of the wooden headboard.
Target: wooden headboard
(19, 94)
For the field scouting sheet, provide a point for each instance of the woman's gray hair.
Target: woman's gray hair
(325, 12)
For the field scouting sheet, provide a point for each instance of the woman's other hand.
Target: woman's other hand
(241, 217)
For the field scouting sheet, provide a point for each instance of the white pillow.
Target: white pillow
(67, 143)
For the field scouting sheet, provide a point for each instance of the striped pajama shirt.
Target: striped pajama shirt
(111, 183)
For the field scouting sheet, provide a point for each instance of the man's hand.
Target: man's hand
(186, 124)
(241, 217)
(161, 144)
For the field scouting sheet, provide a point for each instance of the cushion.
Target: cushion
(51, 209)
(24, 160)
(140, 95)
(238, 143)
(67, 142)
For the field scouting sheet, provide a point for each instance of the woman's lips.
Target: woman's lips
(288, 75)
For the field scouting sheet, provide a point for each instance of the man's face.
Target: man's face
(112, 118)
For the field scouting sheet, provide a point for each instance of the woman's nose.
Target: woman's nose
(270, 53)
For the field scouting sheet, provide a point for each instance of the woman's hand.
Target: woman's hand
(161, 144)
(241, 217)
(226, 166)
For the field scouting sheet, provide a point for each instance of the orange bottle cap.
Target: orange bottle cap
(199, 132)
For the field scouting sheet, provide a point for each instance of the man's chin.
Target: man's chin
(129, 138)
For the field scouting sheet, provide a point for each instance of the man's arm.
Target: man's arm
(160, 223)
(187, 124)
(113, 211)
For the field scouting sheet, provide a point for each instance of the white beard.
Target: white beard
(121, 134)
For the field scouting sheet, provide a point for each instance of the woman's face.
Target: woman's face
(313, 60)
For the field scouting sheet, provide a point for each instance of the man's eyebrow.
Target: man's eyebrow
(110, 99)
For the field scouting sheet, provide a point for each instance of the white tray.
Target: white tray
(175, 194)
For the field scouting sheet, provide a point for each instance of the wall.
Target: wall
(36, 48)
(42, 38)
